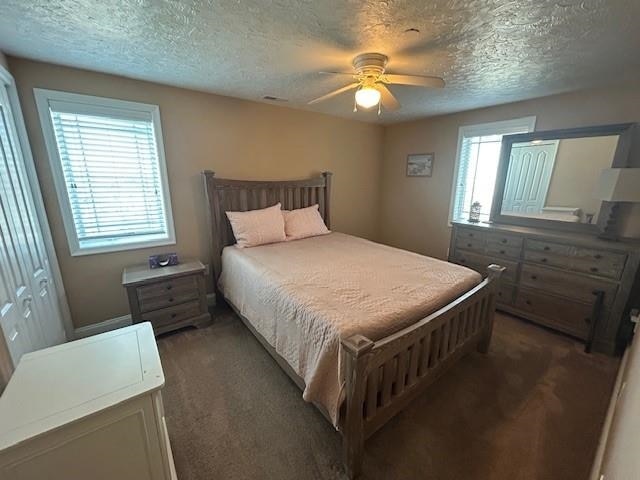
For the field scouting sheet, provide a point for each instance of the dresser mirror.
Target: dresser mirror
(551, 178)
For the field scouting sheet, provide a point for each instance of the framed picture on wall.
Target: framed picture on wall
(419, 164)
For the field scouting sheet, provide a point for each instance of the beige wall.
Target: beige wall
(572, 184)
(235, 138)
(414, 211)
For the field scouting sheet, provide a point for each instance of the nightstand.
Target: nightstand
(168, 297)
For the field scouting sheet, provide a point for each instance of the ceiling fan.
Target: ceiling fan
(371, 82)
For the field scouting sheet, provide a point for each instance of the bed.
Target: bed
(360, 327)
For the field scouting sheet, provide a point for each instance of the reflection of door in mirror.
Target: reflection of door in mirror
(556, 179)
(530, 169)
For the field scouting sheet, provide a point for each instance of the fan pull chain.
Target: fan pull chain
(379, 108)
(355, 105)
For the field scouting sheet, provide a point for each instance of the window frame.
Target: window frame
(501, 127)
(101, 104)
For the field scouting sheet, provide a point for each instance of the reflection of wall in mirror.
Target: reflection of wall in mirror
(579, 163)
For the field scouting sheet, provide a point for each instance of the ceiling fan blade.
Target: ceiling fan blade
(415, 80)
(334, 93)
(347, 74)
(389, 102)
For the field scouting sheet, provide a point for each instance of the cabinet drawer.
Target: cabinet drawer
(480, 263)
(504, 240)
(546, 258)
(555, 312)
(597, 262)
(503, 251)
(177, 313)
(576, 287)
(548, 247)
(474, 244)
(506, 293)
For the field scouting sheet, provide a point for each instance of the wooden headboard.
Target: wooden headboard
(241, 195)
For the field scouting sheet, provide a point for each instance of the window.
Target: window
(107, 159)
(477, 164)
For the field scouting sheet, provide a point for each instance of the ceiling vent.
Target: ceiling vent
(274, 99)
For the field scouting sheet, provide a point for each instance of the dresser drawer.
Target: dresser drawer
(506, 293)
(504, 240)
(597, 262)
(556, 312)
(576, 287)
(548, 247)
(170, 315)
(164, 294)
(546, 258)
(480, 263)
(503, 251)
(470, 233)
(474, 244)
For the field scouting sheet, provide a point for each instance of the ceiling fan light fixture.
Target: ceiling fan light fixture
(367, 97)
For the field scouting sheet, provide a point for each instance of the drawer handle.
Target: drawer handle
(169, 287)
(171, 299)
(594, 269)
(534, 277)
(597, 256)
(502, 252)
(528, 302)
(546, 249)
(469, 244)
(543, 260)
(504, 240)
(174, 315)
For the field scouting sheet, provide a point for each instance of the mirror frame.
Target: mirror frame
(608, 210)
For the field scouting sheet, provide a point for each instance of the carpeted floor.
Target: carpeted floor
(531, 409)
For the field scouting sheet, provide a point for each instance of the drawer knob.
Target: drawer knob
(171, 299)
(534, 277)
(502, 252)
(528, 302)
(174, 315)
(546, 249)
(543, 260)
(469, 244)
(594, 269)
(597, 256)
(504, 240)
(587, 320)
(169, 287)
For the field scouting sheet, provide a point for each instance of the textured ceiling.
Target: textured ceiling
(488, 51)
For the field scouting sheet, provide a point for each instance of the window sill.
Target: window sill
(120, 247)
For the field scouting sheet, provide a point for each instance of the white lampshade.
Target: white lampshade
(619, 185)
(367, 97)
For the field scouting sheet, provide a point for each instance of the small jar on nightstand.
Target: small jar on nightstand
(168, 297)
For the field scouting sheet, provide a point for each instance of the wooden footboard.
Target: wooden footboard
(384, 376)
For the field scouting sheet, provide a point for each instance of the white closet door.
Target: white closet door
(39, 323)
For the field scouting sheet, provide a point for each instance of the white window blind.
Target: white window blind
(113, 180)
(477, 164)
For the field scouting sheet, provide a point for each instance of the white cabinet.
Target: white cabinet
(89, 409)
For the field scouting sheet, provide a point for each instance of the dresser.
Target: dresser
(551, 277)
(168, 297)
(89, 409)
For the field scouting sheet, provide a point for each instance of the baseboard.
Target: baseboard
(107, 325)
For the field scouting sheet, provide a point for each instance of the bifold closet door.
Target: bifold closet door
(29, 310)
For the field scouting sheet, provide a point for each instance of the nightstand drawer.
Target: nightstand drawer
(170, 315)
(174, 286)
(174, 298)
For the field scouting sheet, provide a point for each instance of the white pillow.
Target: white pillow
(303, 223)
(257, 227)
